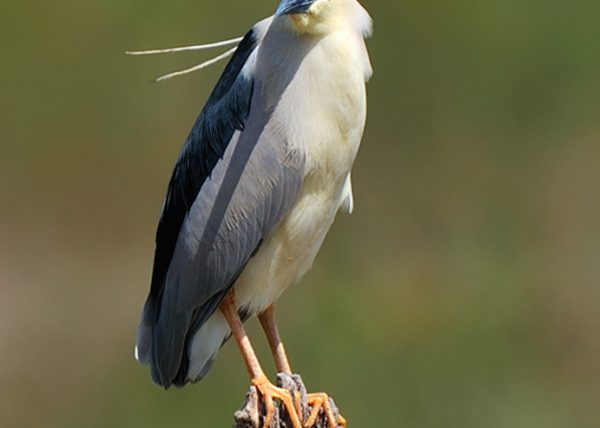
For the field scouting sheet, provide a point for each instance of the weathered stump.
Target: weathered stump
(252, 414)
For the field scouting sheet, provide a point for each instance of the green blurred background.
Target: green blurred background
(463, 292)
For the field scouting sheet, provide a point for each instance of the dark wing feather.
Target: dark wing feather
(233, 183)
(246, 197)
(225, 112)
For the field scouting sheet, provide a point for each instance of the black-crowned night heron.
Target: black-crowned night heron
(255, 190)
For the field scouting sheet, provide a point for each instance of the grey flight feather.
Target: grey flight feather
(246, 198)
(240, 202)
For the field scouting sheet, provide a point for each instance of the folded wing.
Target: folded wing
(233, 183)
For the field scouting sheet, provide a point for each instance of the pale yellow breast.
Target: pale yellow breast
(323, 112)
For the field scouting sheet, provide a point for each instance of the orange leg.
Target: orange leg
(268, 391)
(267, 320)
(316, 401)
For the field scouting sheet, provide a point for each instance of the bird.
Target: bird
(255, 189)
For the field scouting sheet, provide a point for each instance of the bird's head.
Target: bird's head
(316, 16)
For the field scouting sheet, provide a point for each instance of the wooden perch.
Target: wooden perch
(251, 415)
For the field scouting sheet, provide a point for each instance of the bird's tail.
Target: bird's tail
(200, 353)
(204, 346)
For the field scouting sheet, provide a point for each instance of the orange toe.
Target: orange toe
(269, 393)
(320, 401)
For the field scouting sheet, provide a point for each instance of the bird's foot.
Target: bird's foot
(269, 393)
(320, 401)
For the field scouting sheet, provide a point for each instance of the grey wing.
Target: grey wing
(233, 183)
(248, 193)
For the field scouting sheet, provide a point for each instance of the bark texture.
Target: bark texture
(251, 415)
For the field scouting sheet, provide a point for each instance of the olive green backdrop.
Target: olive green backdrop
(463, 292)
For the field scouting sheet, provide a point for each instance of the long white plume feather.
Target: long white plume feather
(197, 67)
(192, 48)
(188, 48)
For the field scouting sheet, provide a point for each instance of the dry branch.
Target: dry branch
(251, 415)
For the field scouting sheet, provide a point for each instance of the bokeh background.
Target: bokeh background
(463, 292)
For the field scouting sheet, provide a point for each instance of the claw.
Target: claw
(320, 401)
(270, 392)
